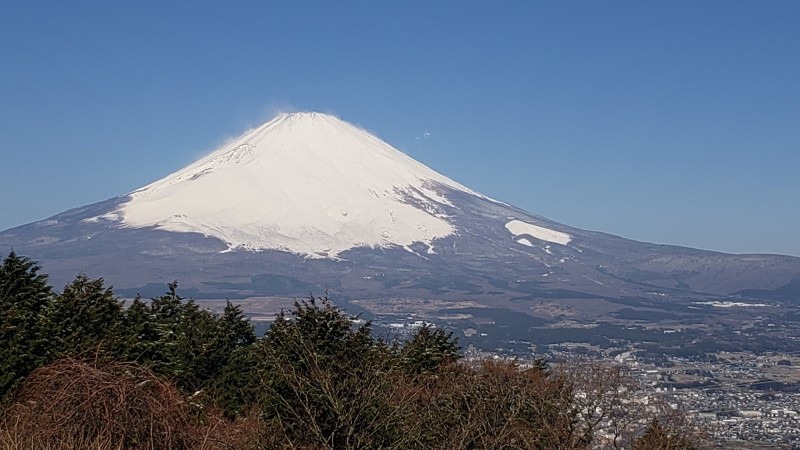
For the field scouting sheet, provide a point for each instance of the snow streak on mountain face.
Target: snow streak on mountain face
(306, 183)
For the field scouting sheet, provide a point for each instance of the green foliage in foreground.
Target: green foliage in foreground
(24, 298)
(317, 379)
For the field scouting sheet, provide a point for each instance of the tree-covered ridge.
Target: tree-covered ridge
(318, 378)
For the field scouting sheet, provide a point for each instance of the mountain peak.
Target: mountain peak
(308, 115)
(306, 183)
(308, 118)
(313, 185)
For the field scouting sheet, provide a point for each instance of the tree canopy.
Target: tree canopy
(318, 378)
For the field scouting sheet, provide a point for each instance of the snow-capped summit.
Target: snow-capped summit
(306, 183)
(308, 202)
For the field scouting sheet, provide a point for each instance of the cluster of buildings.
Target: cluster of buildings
(740, 400)
(737, 398)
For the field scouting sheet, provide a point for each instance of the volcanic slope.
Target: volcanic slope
(308, 202)
(304, 183)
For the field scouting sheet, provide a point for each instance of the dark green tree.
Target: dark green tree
(232, 379)
(24, 295)
(168, 308)
(238, 387)
(85, 316)
(141, 336)
(231, 363)
(233, 329)
(195, 347)
(428, 350)
(166, 312)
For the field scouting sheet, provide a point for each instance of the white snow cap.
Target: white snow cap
(518, 227)
(307, 183)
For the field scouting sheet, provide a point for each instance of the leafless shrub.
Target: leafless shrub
(73, 404)
(491, 405)
(613, 411)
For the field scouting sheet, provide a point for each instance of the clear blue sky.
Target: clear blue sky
(671, 122)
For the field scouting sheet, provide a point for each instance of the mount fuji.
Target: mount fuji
(307, 203)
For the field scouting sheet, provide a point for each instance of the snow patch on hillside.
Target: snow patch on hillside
(305, 183)
(518, 227)
(525, 241)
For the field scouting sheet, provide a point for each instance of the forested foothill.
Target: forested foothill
(79, 369)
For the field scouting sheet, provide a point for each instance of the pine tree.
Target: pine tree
(24, 295)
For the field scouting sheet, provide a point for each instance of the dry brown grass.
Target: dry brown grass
(96, 405)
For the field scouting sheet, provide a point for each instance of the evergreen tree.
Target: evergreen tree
(233, 380)
(195, 347)
(238, 385)
(24, 295)
(191, 344)
(166, 312)
(428, 350)
(318, 324)
(141, 336)
(168, 308)
(86, 315)
(233, 329)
